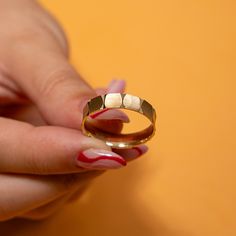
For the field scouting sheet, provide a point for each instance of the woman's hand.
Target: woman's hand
(44, 158)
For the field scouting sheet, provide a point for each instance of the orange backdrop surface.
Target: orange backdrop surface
(180, 56)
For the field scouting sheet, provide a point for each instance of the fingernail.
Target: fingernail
(108, 114)
(134, 152)
(100, 159)
(116, 86)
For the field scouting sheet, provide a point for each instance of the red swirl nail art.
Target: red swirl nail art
(93, 116)
(99, 159)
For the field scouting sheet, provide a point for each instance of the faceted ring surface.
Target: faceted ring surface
(119, 101)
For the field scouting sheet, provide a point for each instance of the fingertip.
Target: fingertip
(132, 153)
(116, 86)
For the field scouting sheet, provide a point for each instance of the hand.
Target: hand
(41, 102)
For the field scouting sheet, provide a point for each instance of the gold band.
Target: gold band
(122, 101)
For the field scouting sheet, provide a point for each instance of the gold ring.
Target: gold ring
(119, 101)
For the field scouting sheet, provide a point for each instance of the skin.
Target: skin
(41, 100)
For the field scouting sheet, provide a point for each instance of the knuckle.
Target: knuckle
(36, 166)
(53, 82)
(27, 35)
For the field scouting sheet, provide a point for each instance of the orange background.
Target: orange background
(180, 56)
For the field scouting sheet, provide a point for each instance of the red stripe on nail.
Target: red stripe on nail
(82, 157)
(93, 116)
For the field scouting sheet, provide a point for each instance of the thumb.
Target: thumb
(51, 82)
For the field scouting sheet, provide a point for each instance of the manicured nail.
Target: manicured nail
(108, 114)
(100, 159)
(134, 152)
(116, 86)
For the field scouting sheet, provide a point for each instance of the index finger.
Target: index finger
(51, 150)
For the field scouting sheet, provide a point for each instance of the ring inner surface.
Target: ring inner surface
(108, 136)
